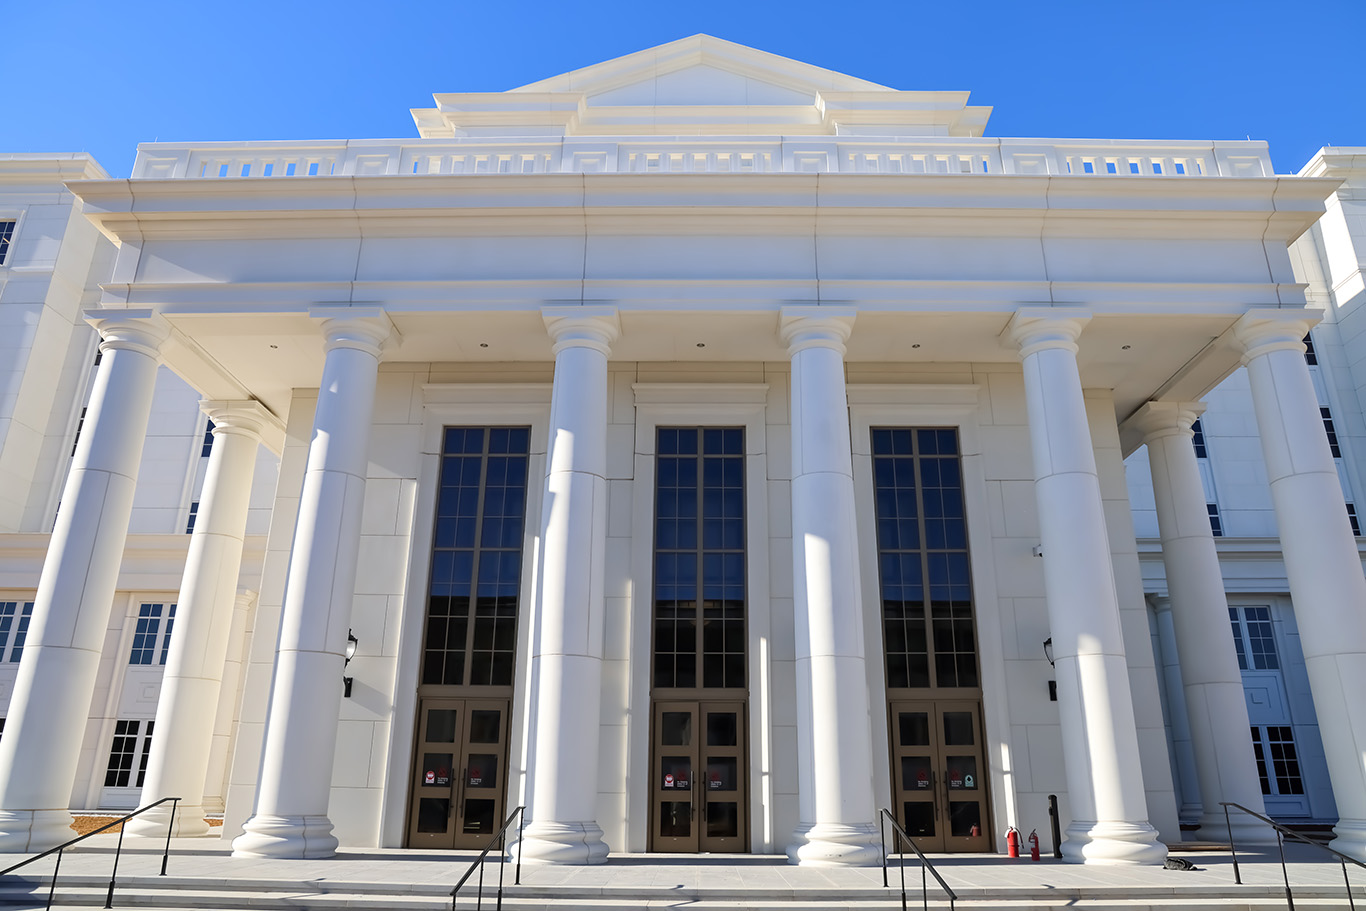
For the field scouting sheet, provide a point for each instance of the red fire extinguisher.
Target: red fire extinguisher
(1012, 842)
(1034, 844)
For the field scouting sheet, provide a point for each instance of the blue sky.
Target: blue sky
(101, 77)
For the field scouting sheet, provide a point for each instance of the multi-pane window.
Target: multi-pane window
(14, 620)
(1278, 763)
(927, 619)
(76, 440)
(471, 635)
(1331, 432)
(207, 446)
(152, 639)
(1216, 523)
(1310, 357)
(6, 233)
(192, 517)
(129, 748)
(1353, 520)
(699, 584)
(1254, 638)
(1198, 440)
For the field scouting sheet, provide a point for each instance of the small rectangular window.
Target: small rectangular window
(194, 514)
(76, 440)
(1352, 519)
(1331, 433)
(1310, 357)
(121, 752)
(1198, 440)
(208, 441)
(1216, 524)
(6, 233)
(145, 635)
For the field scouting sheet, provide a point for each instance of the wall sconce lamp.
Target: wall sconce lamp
(351, 643)
(1052, 684)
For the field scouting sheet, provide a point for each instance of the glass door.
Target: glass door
(698, 792)
(938, 769)
(457, 786)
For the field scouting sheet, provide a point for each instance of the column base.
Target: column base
(1351, 838)
(26, 831)
(831, 844)
(1246, 830)
(1112, 843)
(576, 843)
(295, 837)
(189, 823)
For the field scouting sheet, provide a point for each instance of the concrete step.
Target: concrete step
(174, 893)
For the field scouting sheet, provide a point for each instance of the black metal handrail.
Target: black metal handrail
(1281, 832)
(109, 896)
(924, 865)
(499, 838)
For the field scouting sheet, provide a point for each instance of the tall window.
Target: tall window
(14, 620)
(207, 446)
(471, 635)
(128, 749)
(1310, 357)
(1332, 433)
(927, 619)
(152, 639)
(699, 586)
(1198, 439)
(6, 232)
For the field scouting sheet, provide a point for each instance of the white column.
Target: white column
(1100, 740)
(1321, 557)
(566, 637)
(56, 679)
(1215, 704)
(187, 708)
(290, 816)
(1189, 802)
(838, 813)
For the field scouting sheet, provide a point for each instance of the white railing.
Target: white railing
(820, 154)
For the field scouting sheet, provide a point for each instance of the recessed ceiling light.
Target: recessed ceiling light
(1125, 347)
(701, 344)
(275, 346)
(483, 344)
(916, 345)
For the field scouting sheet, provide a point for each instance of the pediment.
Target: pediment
(701, 86)
(701, 70)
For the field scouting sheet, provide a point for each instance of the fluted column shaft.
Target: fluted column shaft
(1321, 558)
(566, 646)
(1213, 684)
(56, 678)
(1100, 738)
(186, 710)
(838, 821)
(290, 817)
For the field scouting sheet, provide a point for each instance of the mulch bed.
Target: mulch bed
(84, 825)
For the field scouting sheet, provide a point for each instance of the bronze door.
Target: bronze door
(939, 774)
(459, 766)
(699, 793)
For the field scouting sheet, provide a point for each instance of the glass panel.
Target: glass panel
(484, 725)
(965, 818)
(722, 729)
(441, 725)
(675, 819)
(916, 774)
(675, 773)
(962, 773)
(432, 814)
(958, 729)
(479, 816)
(675, 729)
(918, 818)
(482, 771)
(915, 728)
(721, 773)
(723, 820)
(436, 770)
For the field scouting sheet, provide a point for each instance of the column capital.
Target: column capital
(1155, 420)
(142, 330)
(245, 417)
(1040, 328)
(582, 327)
(816, 327)
(367, 329)
(1263, 331)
